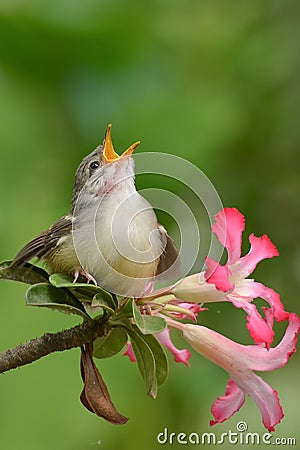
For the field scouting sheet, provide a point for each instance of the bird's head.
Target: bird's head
(103, 170)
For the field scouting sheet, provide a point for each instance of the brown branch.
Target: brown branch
(35, 349)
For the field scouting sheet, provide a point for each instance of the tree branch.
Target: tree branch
(35, 349)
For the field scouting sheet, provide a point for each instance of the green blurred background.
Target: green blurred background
(215, 82)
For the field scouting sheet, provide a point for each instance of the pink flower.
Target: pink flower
(179, 355)
(164, 338)
(230, 282)
(129, 352)
(183, 310)
(240, 361)
(231, 278)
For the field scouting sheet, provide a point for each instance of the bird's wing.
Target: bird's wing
(169, 257)
(44, 243)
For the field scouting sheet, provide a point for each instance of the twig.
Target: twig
(35, 349)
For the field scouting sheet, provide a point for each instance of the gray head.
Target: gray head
(102, 170)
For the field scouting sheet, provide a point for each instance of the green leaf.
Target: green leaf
(106, 303)
(145, 360)
(62, 280)
(28, 273)
(87, 290)
(161, 360)
(124, 311)
(111, 344)
(147, 324)
(45, 295)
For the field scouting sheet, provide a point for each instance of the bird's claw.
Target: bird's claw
(87, 275)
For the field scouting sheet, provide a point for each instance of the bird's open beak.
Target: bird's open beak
(109, 153)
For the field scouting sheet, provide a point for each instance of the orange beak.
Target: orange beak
(109, 153)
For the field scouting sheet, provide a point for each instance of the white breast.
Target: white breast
(118, 242)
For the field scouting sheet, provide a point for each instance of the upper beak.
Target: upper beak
(109, 153)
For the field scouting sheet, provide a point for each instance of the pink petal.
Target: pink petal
(269, 315)
(261, 248)
(129, 352)
(274, 358)
(259, 358)
(193, 307)
(228, 228)
(258, 328)
(253, 289)
(273, 298)
(179, 355)
(225, 406)
(192, 310)
(266, 399)
(218, 275)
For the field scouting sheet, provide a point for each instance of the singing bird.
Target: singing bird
(111, 235)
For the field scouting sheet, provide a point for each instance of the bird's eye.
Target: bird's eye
(94, 165)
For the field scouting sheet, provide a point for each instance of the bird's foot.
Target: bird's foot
(87, 275)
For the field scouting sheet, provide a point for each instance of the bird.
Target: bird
(111, 235)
